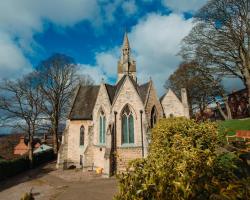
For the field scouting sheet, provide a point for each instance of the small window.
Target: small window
(102, 128)
(82, 136)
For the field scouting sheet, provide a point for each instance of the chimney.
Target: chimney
(185, 101)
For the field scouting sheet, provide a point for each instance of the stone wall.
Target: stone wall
(102, 103)
(172, 105)
(74, 148)
(129, 96)
(125, 155)
(151, 102)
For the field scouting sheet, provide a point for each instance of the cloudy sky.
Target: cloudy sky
(91, 31)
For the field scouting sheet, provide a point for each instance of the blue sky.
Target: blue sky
(91, 31)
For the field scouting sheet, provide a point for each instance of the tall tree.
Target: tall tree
(220, 39)
(199, 84)
(20, 104)
(58, 78)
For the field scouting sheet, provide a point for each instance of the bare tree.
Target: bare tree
(58, 78)
(20, 104)
(220, 39)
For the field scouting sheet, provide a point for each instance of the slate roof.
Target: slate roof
(84, 103)
(144, 91)
(86, 97)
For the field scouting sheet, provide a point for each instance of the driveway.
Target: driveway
(47, 182)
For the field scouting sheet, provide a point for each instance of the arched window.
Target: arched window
(153, 117)
(82, 135)
(127, 126)
(102, 127)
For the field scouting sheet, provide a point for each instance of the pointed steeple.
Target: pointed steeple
(126, 65)
(126, 48)
(125, 42)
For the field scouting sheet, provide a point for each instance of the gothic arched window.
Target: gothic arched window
(82, 135)
(127, 126)
(153, 117)
(102, 127)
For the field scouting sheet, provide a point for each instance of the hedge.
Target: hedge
(13, 167)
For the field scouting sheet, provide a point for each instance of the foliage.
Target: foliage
(182, 164)
(231, 126)
(199, 84)
(12, 167)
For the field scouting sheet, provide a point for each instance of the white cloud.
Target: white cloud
(94, 72)
(104, 68)
(20, 20)
(184, 5)
(156, 42)
(12, 61)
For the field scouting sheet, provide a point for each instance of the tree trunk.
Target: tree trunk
(55, 142)
(221, 111)
(248, 93)
(30, 149)
(55, 136)
(229, 113)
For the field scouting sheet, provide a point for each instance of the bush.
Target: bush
(10, 168)
(182, 164)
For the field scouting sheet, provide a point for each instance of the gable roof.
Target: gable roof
(144, 90)
(111, 91)
(84, 103)
(86, 96)
(169, 91)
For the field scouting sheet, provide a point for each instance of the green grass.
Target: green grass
(235, 124)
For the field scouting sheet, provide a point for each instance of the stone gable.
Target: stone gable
(172, 105)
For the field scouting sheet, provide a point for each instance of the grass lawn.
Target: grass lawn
(235, 124)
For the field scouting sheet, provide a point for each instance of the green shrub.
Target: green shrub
(182, 164)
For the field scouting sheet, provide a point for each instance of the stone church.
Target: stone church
(109, 125)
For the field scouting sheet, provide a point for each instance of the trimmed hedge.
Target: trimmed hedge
(13, 167)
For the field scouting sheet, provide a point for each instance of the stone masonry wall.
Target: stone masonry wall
(125, 155)
(102, 103)
(172, 105)
(153, 101)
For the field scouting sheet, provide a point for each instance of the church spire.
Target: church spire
(126, 42)
(126, 65)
